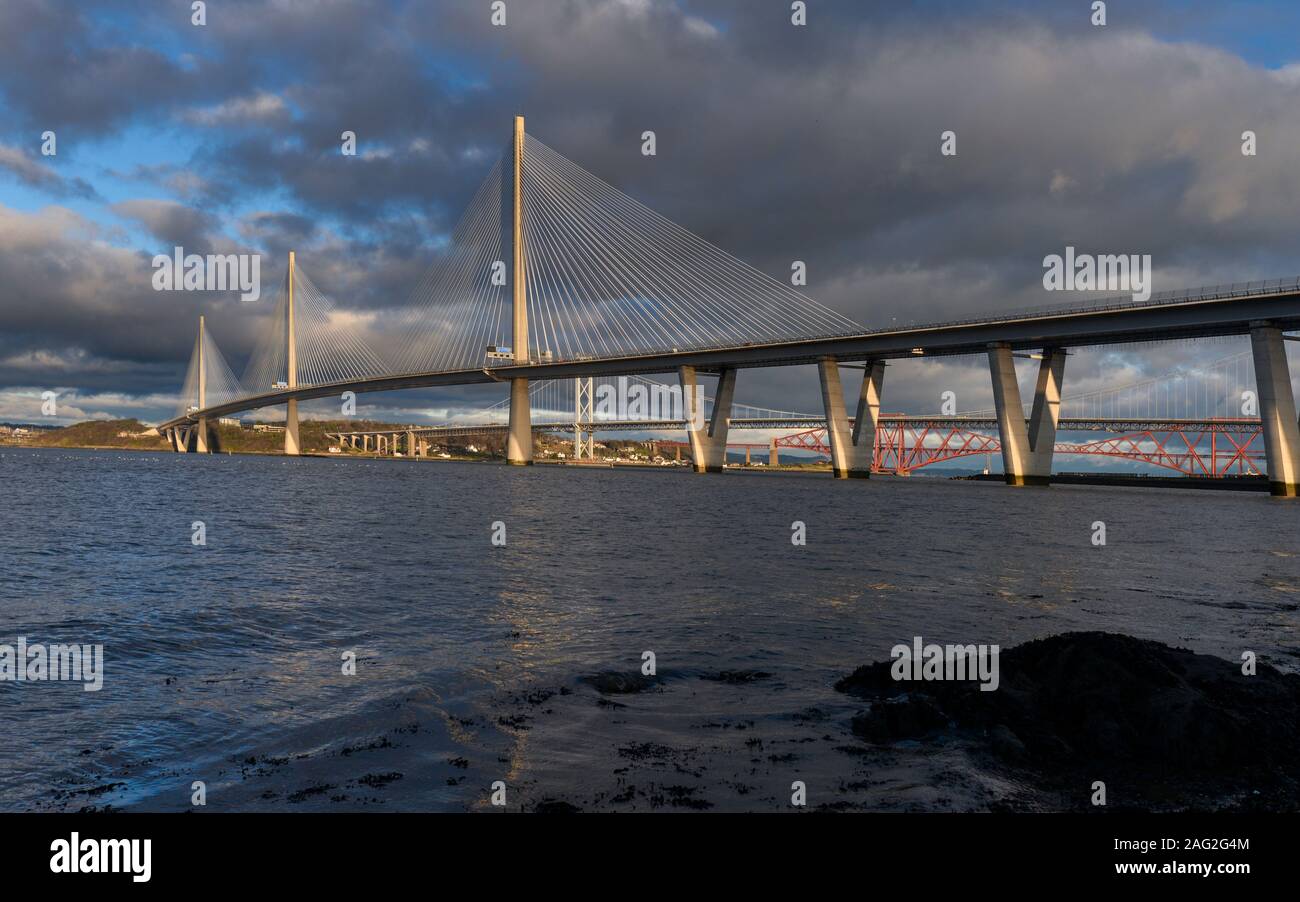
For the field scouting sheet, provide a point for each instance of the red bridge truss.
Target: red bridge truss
(1206, 448)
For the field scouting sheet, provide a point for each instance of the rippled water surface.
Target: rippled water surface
(223, 663)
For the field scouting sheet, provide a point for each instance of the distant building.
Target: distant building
(229, 421)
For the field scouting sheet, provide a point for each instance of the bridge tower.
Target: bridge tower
(1277, 411)
(201, 440)
(584, 439)
(291, 443)
(519, 441)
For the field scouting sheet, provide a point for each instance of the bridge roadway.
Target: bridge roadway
(1186, 316)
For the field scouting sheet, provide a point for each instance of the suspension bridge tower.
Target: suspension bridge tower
(291, 443)
(201, 440)
(519, 441)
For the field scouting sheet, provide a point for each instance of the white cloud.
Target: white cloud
(257, 108)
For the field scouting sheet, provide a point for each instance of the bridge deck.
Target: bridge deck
(1189, 315)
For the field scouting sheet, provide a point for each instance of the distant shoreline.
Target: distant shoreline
(1228, 484)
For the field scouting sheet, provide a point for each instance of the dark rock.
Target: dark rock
(555, 806)
(901, 717)
(1007, 745)
(1109, 703)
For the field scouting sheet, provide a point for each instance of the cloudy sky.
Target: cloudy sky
(818, 143)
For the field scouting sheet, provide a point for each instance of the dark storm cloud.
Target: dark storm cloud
(177, 180)
(172, 223)
(777, 143)
(77, 308)
(35, 174)
(278, 229)
(57, 70)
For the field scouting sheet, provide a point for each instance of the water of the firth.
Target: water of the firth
(224, 662)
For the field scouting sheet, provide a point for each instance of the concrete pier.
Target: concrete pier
(1277, 410)
(866, 419)
(708, 439)
(519, 441)
(292, 444)
(201, 437)
(1027, 449)
(1046, 412)
(852, 448)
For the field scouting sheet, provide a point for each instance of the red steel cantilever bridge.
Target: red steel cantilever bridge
(560, 275)
(1207, 448)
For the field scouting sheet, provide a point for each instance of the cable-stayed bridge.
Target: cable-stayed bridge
(552, 273)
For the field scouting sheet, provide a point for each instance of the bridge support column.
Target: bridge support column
(183, 440)
(410, 444)
(708, 440)
(519, 442)
(852, 449)
(1027, 448)
(773, 456)
(867, 419)
(1011, 415)
(292, 446)
(1277, 410)
(201, 436)
(1046, 413)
